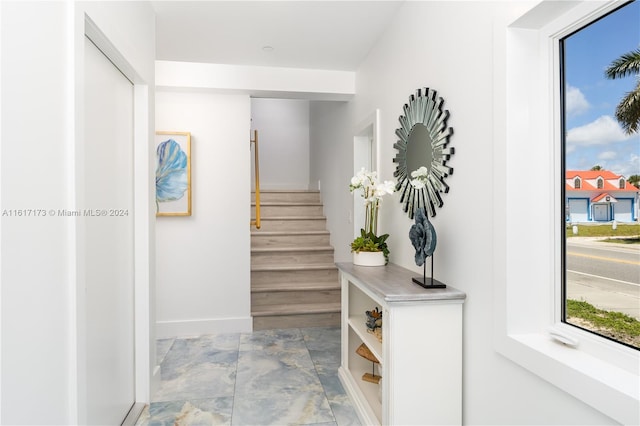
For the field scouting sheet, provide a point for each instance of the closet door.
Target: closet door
(108, 239)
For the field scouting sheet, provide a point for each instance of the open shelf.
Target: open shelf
(356, 323)
(422, 370)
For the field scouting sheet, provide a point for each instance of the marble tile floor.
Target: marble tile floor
(271, 377)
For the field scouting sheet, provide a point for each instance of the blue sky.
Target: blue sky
(594, 137)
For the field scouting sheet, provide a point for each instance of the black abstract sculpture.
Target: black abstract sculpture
(424, 239)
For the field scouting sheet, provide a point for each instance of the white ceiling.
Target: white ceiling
(335, 35)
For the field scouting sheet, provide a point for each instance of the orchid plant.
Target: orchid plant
(372, 193)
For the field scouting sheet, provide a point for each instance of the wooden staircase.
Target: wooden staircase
(294, 281)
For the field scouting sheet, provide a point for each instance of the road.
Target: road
(605, 275)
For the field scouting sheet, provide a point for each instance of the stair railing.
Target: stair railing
(256, 222)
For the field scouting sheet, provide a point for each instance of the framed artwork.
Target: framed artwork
(173, 174)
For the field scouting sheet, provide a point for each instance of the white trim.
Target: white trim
(198, 327)
(598, 372)
(365, 144)
(75, 129)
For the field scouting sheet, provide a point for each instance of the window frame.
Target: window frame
(601, 373)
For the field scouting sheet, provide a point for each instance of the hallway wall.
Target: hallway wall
(450, 47)
(203, 281)
(283, 132)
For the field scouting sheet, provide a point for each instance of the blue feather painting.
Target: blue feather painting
(173, 196)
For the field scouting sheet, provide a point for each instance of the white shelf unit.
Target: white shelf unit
(420, 354)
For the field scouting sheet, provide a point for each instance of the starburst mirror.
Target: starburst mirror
(423, 153)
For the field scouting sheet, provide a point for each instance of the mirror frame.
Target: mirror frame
(425, 109)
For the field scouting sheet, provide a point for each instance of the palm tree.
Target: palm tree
(628, 110)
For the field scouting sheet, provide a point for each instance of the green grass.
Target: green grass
(605, 230)
(616, 325)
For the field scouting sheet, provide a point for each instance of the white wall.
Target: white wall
(450, 47)
(283, 142)
(203, 269)
(331, 164)
(41, 338)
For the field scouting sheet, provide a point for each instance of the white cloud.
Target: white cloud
(603, 130)
(575, 102)
(607, 155)
(629, 166)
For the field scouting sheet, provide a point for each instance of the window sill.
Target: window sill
(609, 389)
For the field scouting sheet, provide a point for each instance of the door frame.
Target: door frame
(366, 153)
(144, 351)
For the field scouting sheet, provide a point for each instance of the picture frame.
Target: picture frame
(173, 173)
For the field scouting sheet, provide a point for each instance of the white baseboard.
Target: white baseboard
(189, 328)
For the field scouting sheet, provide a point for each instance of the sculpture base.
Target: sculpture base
(428, 282)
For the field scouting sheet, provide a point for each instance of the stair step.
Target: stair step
(260, 238)
(290, 286)
(295, 268)
(291, 256)
(263, 275)
(328, 319)
(287, 209)
(293, 223)
(299, 309)
(294, 297)
(285, 196)
(301, 315)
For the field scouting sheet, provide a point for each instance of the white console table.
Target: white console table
(420, 354)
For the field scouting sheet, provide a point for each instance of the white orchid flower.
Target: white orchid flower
(387, 187)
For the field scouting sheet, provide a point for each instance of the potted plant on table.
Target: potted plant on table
(370, 249)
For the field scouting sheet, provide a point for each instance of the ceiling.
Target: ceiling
(330, 35)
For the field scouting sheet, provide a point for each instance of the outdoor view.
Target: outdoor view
(601, 88)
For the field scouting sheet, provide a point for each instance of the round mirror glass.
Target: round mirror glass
(423, 153)
(419, 152)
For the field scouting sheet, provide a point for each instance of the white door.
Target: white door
(622, 210)
(109, 239)
(578, 211)
(601, 212)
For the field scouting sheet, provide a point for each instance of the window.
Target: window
(601, 282)
(576, 183)
(528, 316)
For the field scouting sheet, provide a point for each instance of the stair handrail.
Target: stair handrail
(256, 222)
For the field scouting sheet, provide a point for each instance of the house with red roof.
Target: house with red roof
(599, 196)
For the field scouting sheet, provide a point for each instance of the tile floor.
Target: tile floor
(271, 377)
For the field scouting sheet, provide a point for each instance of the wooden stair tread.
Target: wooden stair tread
(303, 286)
(280, 191)
(300, 267)
(292, 218)
(287, 233)
(296, 249)
(286, 203)
(297, 309)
